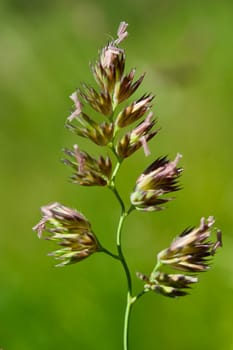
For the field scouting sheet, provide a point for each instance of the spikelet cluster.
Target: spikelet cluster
(190, 252)
(124, 125)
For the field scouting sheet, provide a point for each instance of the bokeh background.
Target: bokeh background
(45, 49)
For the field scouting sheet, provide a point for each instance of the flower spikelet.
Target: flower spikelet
(71, 230)
(191, 249)
(134, 111)
(127, 87)
(100, 102)
(170, 285)
(136, 138)
(108, 70)
(189, 252)
(159, 179)
(81, 124)
(88, 171)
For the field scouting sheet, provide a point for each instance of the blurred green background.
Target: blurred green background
(46, 46)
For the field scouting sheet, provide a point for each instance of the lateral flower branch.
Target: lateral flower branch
(71, 230)
(189, 252)
(124, 126)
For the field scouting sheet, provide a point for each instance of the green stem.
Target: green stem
(139, 295)
(120, 252)
(157, 266)
(113, 187)
(124, 214)
(106, 251)
(117, 167)
(128, 310)
(130, 299)
(116, 193)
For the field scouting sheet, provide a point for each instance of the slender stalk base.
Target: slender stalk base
(128, 309)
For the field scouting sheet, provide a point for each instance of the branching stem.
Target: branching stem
(124, 213)
(106, 251)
